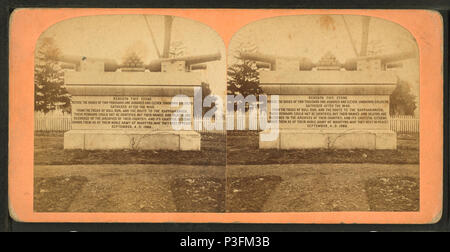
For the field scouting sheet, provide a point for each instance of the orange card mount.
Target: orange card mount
(109, 157)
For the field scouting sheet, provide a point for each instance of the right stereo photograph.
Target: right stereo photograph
(322, 116)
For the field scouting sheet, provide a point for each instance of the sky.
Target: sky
(111, 36)
(311, 36)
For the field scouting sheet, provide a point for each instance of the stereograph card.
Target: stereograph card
(226, 115)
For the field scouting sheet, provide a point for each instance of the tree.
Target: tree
(177, 49)
(50, 93)
(206, 90)
(402, 102)
(243, 76)
(133, 60)
(134, 55)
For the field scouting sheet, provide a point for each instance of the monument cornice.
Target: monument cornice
(130, 90)
(328, 77)
(132, 78)
(327, 89)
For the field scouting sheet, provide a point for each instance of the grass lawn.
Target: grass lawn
(49, 150)
(242, 149)
(250, 193)
(245, 188)
(323, 187)
(56, 194)
(397, 193)
(253, 180)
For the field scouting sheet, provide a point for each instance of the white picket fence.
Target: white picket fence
(52, 121)
(62, 122)
(404, 124)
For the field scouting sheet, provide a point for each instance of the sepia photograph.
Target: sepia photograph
(106, 139)
(346, 124)
(322, 115)
(256, 116)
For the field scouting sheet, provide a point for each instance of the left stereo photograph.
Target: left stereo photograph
(119, 116)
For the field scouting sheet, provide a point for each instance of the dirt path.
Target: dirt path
(118, 188)
(249, 188)
(322, 187)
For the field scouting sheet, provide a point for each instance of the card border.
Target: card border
(421, 23)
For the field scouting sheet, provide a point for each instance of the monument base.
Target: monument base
(134, 140)
(332, 139)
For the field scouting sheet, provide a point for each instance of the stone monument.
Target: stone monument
(116, 107)
(329, 104)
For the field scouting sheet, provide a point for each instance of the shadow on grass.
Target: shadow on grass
(207, 194)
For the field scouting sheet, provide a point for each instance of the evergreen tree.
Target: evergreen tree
(243, 76)
(133, 60)
(177, 49)
(402, 102)
(50, 93)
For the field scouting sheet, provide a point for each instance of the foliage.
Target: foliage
(177, 49)
(402, 102)
(243, 76)
(134, 55)
(50, 93)
(206, 90)
(132, 60)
